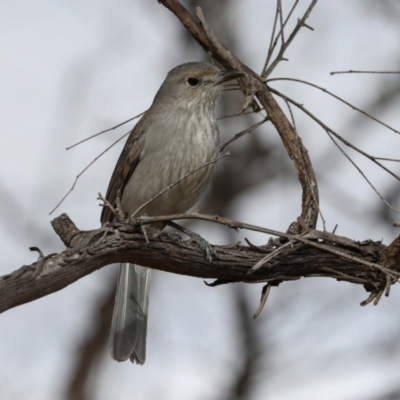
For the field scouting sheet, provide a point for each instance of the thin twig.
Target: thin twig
(106, 130)
(272, 47)
(242, 133)
(272, 42)
(339, 274)
(387, 159)
(364, 72)
(362, 174)
(291, 115)
(210, 35)
(107, 204)
(344, 141)
(337, 98)
(85, 169)
(281, 22)
(269, 257)
(239, 114)
(284, 47)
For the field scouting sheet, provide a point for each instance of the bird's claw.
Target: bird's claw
(205, 246)
(195, 237)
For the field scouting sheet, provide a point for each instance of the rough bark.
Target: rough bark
(368, 263)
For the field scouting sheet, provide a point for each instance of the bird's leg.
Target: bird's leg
(195, 237)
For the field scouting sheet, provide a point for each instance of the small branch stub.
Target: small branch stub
(65, 229)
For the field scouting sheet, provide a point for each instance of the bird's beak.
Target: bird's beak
(225, 76)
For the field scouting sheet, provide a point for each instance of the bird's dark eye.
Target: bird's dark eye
(193, 81)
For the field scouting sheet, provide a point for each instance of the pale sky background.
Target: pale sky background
(70, 69)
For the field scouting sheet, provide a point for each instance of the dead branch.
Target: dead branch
(371, 264)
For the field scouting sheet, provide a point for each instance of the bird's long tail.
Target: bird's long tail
(129, 321)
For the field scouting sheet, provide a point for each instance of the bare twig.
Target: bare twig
(273, 45)
(291, 115)
(238, 114)
(242, 133)
(85, 169)
(106, 130)
(281, 30)
(308, 27)
(387, 159)
(362, 174)
(347, 143)
(337, 98)
(115, 211)
(337, 274)
(270, 256)
(272, 42)
(299, 25)
(364, 72)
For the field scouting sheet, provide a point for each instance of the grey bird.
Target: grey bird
(176, 135)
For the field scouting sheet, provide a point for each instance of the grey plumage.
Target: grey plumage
(178, 134)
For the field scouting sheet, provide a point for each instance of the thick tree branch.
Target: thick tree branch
(310, 255)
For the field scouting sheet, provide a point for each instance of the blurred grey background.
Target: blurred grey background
(72, 68)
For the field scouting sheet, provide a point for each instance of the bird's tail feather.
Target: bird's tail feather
(129, 321)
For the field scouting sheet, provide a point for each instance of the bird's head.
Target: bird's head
(194, 84)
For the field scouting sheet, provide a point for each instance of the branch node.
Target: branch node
(116, 211)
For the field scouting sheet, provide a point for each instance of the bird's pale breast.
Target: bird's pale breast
(176, 144)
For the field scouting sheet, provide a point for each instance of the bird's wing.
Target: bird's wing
(127, 162)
